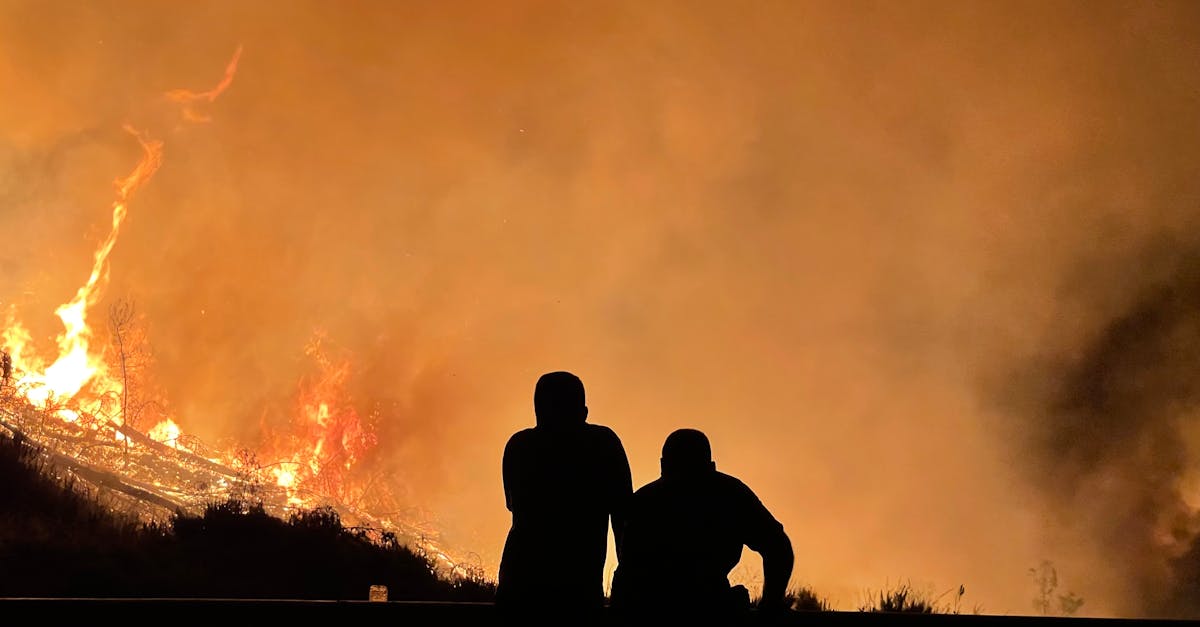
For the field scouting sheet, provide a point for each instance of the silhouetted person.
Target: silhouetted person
(6, 367)
(684, 533)
(563, 480)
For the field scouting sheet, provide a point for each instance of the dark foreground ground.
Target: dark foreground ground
(57, 542)
(223, 612)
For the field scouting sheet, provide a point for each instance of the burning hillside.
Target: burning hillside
(91, 404)
(887, 260)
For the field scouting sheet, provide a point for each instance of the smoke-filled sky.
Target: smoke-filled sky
(878, 251)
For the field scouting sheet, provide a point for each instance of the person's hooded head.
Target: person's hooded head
(558, 400)
(686, 454)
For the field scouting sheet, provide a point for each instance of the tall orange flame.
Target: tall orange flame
(76, 365)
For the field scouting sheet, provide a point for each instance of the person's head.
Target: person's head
(558, 400)
(687, 453)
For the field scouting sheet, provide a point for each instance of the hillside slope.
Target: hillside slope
(60, 539)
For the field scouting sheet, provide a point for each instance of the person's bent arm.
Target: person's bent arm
(778, 560)
(764, 535)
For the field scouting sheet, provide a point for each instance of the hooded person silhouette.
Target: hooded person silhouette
(563, 480)
(684, 533)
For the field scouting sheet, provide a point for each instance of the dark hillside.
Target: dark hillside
(58, 539)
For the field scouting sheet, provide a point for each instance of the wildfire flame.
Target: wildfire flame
(76, 365)
(327, 436)
(78, 386)
(316, 457)
(167, 432)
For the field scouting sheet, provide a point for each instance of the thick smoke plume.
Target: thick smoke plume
(884, 254)
(1116, 445)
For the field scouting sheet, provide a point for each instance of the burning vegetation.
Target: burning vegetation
(864, 248)
(92, 411)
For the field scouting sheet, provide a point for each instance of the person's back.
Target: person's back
(685, 532)
(563, 479)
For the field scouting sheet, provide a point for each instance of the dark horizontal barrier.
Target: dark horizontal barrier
(227, 612)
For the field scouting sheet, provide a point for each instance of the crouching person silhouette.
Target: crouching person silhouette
(563, 480)
(684, 533)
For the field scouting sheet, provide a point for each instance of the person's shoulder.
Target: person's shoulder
(601, 432)
(650, 489)
(732, 485)
(520, 437)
